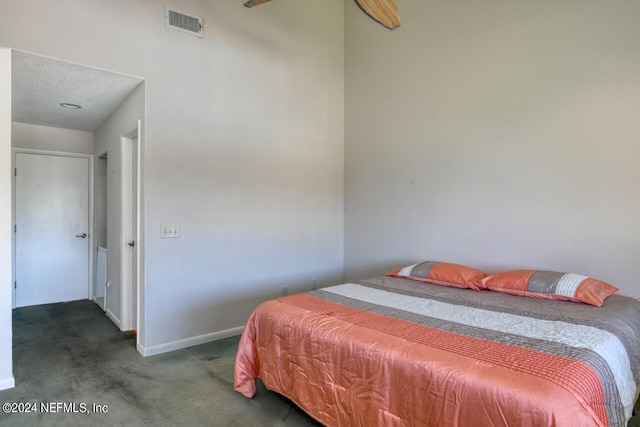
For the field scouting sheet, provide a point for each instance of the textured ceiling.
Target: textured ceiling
(40, 84)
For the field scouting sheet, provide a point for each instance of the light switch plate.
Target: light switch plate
(170, 231)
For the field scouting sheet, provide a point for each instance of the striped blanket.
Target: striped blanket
(392, 351)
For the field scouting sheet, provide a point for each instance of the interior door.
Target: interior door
(134, 233)
(52, 228)
(129, 198)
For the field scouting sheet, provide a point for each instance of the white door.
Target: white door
(52, 228)
(129, 295)
(134, 232)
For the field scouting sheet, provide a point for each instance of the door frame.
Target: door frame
(131, 285)
(14, 151)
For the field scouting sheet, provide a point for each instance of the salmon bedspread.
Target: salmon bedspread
(394, 352)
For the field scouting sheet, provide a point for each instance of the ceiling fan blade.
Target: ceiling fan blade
(385, 12)
(252, 3)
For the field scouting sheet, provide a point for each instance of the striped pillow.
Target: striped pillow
(441, 273)
(549, 285)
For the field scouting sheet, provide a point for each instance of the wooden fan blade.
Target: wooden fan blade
(252, 3)
(385, 12)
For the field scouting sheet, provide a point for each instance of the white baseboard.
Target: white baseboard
(189, 342)
(113, 317)
(7, 383)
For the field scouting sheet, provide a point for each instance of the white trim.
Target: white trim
(127, 285)
(189, 342)
(50, 153)
(91, 230)
(140, 336)
(6, 214)
(125, 233)
(7, 383)
(112, 316)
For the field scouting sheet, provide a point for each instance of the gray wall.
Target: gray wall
(495, 134)
(51, 139)
(243, 145)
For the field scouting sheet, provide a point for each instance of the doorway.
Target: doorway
(53, 212)
(130, 221)
(100, 231)
(121, 108)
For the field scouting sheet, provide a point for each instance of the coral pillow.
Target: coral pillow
(441, 273)
(549, 285)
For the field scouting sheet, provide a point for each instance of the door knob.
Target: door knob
(132, 243)
(82, 236)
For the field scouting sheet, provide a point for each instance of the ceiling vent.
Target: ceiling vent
(187, 24)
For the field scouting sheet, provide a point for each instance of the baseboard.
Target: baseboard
(7, 383)
(113, 317)
(189, 342)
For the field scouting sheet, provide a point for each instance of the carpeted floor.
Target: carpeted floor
(72, 354)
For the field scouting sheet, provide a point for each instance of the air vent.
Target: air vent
(187, 24)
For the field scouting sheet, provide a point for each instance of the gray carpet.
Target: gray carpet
(71, 353)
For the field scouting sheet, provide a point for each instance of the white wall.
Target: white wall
(244, 145)
(6, 266)
(38, 137)
(495, 134)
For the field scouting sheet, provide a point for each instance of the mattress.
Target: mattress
(396, 352)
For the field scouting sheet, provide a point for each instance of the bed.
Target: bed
(397, 350)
